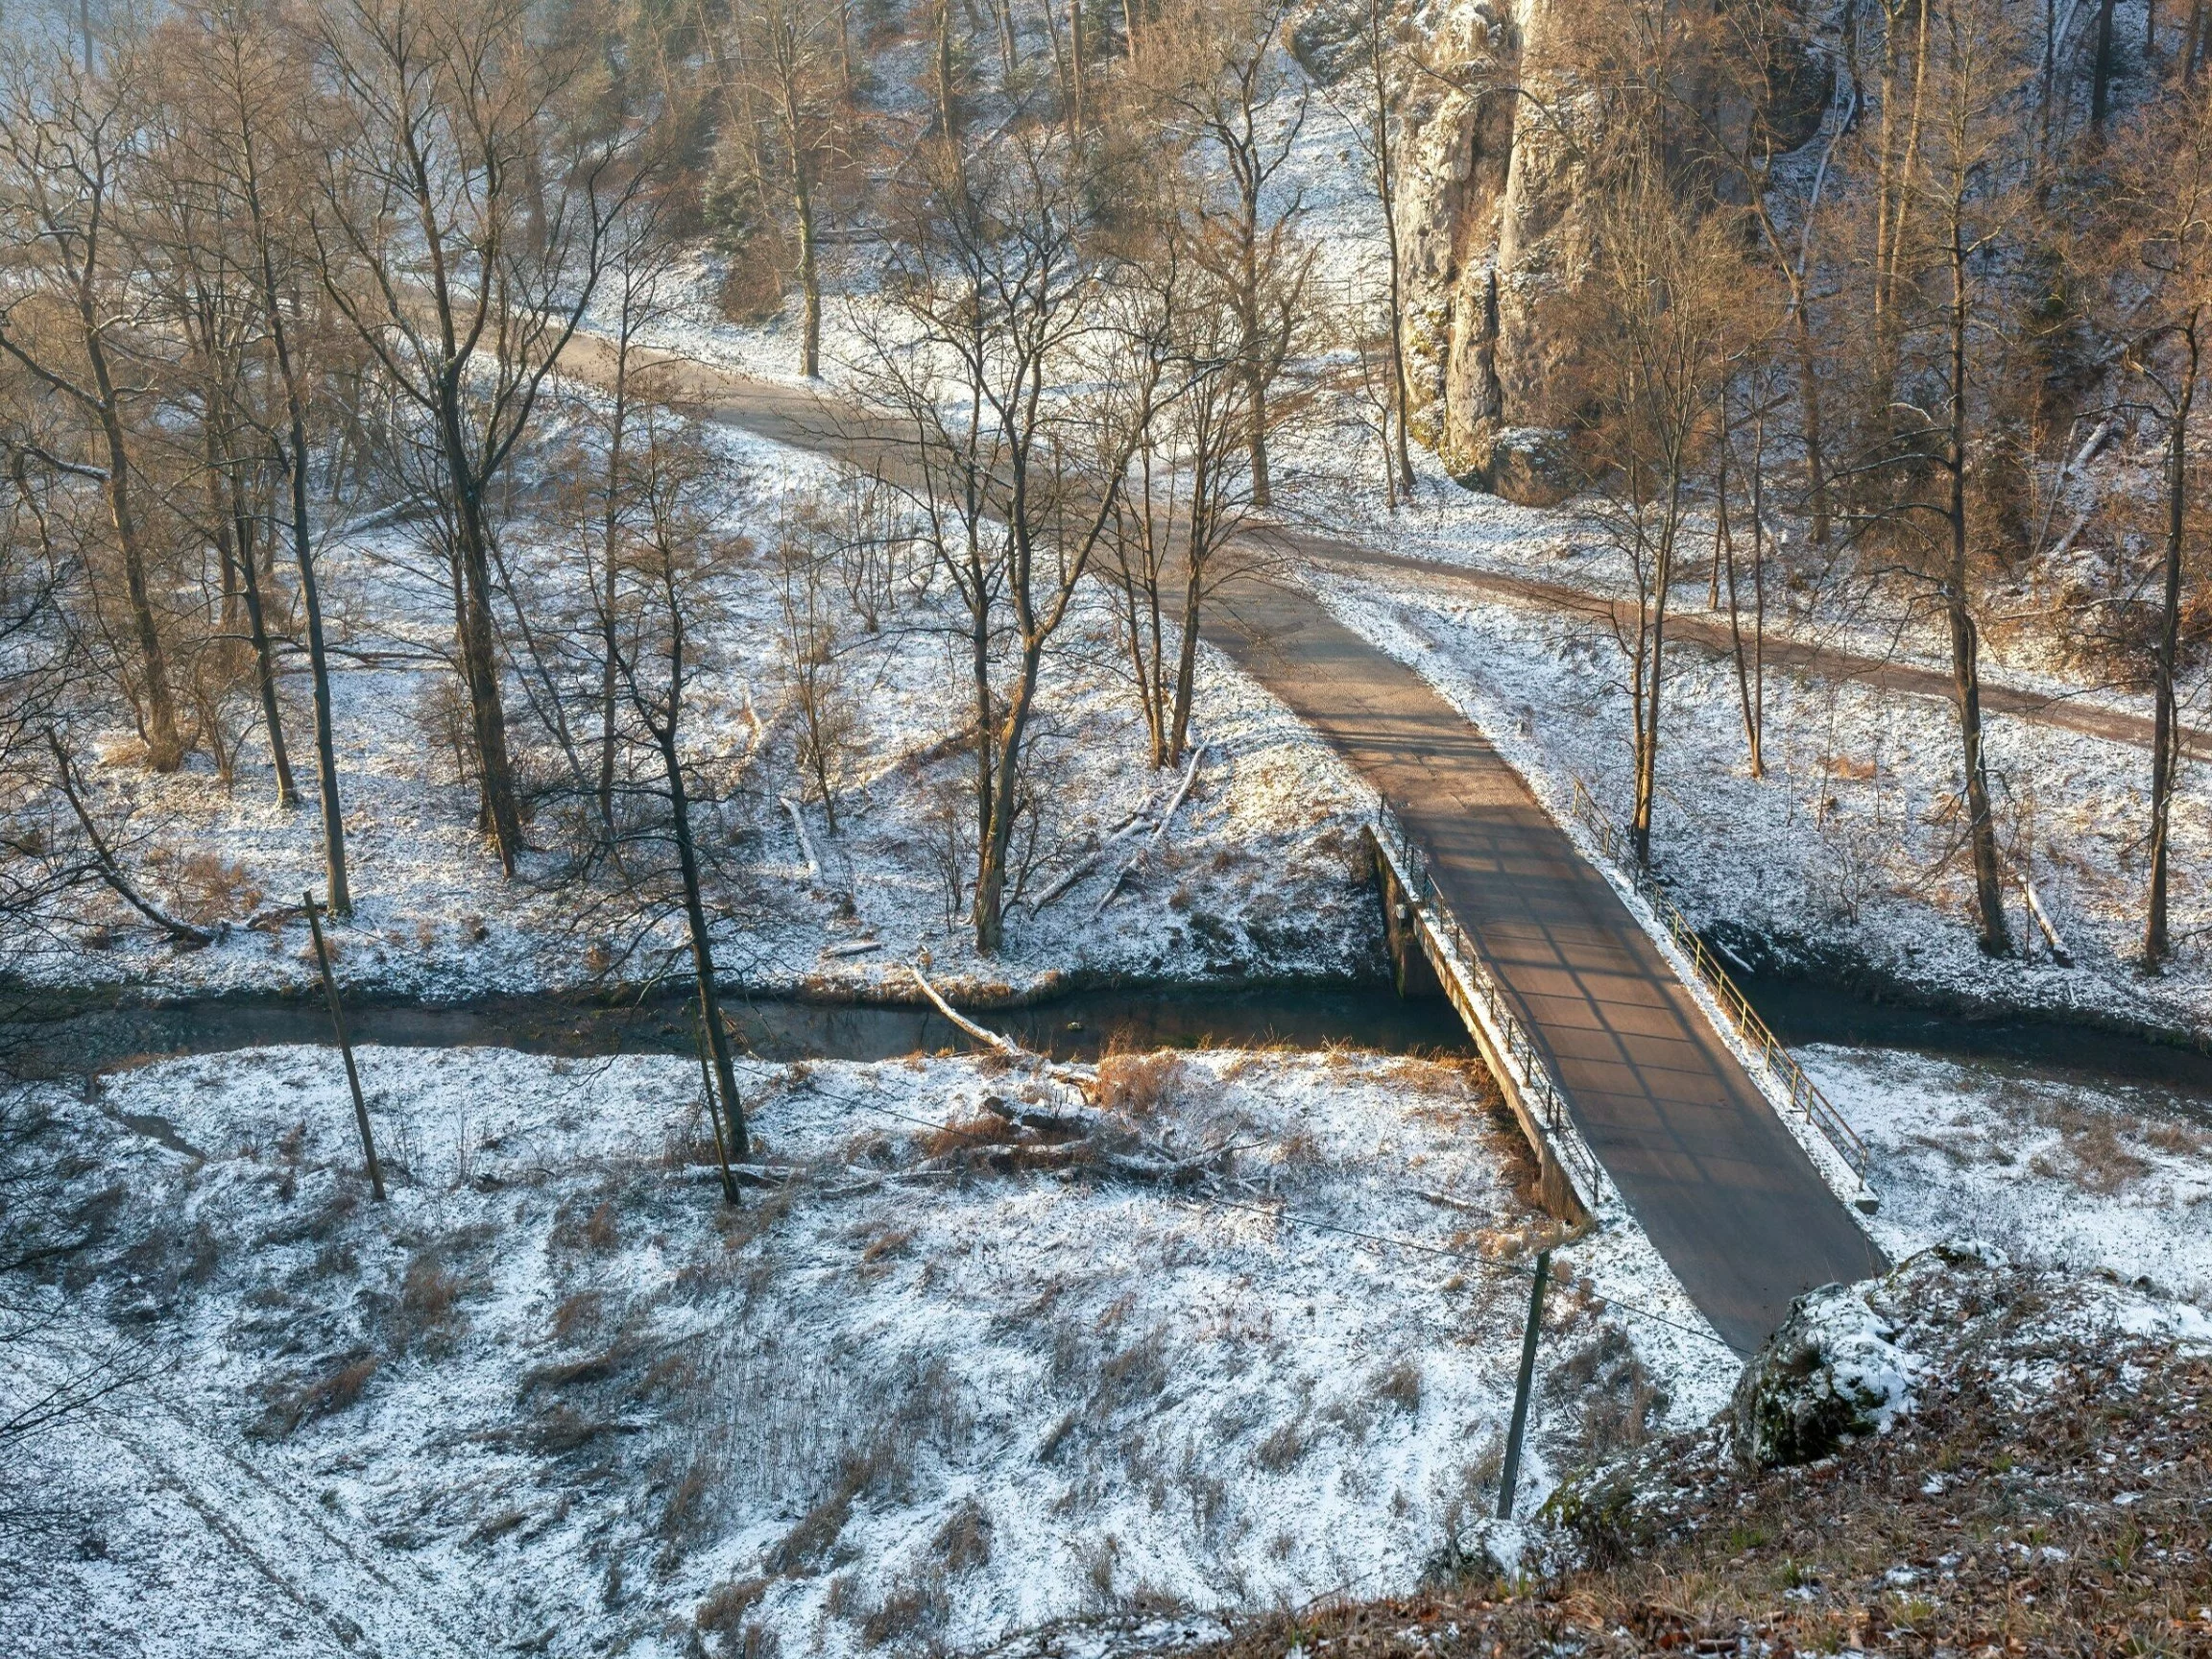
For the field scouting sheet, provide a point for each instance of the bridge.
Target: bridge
(1621, 1068)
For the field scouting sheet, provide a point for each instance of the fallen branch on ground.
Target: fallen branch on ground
(806, 841)
(1190, 776)
(104, 861)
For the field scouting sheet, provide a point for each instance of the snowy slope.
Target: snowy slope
(554, 1395)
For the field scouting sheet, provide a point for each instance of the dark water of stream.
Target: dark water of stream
(1804, 1011)
(72, 1034)
(83, 1034)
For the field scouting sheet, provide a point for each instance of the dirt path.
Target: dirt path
(802, 417)
(1725, 1192)
(1711, 633)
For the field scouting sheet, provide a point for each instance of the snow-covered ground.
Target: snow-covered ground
(1261, 873)
(555, 1397)
(2052, 1169)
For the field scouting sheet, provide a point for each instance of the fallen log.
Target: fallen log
(1114, 887)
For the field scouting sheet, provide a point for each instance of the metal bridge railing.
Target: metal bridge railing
(1539, 1088)
(1783, 1072)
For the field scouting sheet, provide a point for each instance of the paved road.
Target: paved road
(1727, 1195)
(1724, 1191)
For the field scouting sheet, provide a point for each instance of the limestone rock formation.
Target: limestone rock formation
(1494, 221)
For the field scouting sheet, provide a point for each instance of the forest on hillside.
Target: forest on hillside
(1878, 318)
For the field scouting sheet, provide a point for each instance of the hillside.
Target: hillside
(2040, 1489)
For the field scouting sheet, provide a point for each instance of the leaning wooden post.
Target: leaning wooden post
(714, 1115)
(1512, 1475)
(346, 1047)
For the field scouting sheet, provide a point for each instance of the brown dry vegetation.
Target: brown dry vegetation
(2050, 1496)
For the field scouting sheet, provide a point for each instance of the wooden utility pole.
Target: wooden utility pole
(346, 1047)
(1510, 1476)
(714, 1115)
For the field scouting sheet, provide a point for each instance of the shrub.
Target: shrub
(1140, 1084)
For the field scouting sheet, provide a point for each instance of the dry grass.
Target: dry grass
(576, 1318)
(808, 1544)
(289, 1406)
(967, 1134)
(1139, 1085)
(2175, 1141)
(2064, 1515)
(2101, 1161)
(602, 1228)
(723, 1613)
(685, 1511)
(1400, 1384)
(1282, 1448)
(913, 1610)
(964, 1541)
(428, 1310)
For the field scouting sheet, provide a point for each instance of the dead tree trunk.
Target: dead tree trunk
(2165, 738)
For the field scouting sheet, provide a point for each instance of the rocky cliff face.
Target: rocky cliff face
(1492, 239)
(1494, 222)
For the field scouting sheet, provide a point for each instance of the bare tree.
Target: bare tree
(462, 229)
(994, 283)
(791, 99)
(1657, 316)
(813, 657)
(2160, 223)
(673, 553)
(1220, 75)
(1958, 196)
(70, 319)
(254, 101)
(1172, 403)
(194, 243)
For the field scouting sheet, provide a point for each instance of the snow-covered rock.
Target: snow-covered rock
(1833, 1373)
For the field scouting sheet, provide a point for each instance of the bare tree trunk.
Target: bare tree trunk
(337, 889)
(479, 639)
(264, 656)
(1752, 678)
(1965, 668)
(336, 886)
(2165, 738)
(802, 205)
(993, 845)
(1193, 596)
(165, 749)
(1385, 183)
(1649, 666)
(610, 537)
(734, 1140)
(1078, 73)
(2101, 68)
(948, 95)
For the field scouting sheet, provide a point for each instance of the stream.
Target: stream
(61, 1035)
(66, 1034)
